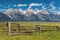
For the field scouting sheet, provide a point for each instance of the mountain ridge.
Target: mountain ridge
(30, 15)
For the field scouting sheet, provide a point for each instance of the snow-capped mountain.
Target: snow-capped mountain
(30, 15)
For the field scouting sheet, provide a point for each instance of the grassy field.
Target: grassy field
(37, 36)
(50, 35)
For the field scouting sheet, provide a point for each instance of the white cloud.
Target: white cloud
(58, 8)
(43, 7)
(53, 7)
(34, 4)
(14, 5)
(2, 6)
(21, 5)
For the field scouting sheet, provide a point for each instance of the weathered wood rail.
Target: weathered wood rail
(37, 28)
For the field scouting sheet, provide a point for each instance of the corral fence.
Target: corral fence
(18, 29)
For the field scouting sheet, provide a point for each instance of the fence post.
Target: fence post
(9, 29)
(18, 27)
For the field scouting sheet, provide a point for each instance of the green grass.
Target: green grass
(36, 36)
(53, 35)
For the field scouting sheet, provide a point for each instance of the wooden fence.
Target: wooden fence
(38, 28)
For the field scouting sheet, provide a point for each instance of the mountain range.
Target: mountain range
(29, 15)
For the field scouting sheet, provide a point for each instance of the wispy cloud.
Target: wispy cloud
(21, 5)
(59, 8)
(3, 6)
(14, 5)
(52, 6)
(43, 7)
(34, 4)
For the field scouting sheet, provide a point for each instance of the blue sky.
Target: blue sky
(25, 4)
